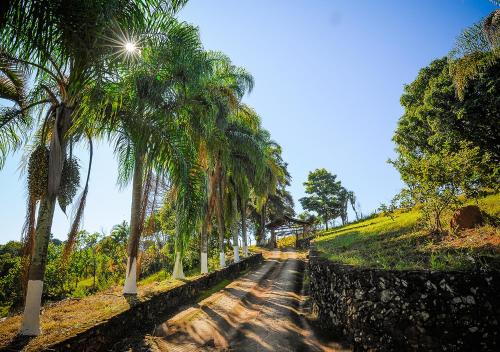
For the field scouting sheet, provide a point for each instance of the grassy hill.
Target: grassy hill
(402, 243)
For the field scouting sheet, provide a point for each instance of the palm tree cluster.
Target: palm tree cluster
(129, 73)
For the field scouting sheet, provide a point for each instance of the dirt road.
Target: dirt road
(261, 311)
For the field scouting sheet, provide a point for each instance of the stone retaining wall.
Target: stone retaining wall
(144, 315)
(389, 310)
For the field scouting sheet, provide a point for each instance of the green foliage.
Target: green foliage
(434, 117)
(174, 113)
(437, 180)
(10, 271)
(327, 197)
(448, 137)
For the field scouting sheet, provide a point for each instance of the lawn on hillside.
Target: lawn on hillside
(403, 243)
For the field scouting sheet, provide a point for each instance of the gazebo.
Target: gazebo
(286, 226)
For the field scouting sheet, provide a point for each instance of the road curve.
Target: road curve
(258, 312)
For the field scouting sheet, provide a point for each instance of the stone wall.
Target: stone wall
(143, 316)
(391, 310)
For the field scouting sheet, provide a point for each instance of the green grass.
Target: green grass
(402, 243)
(156, 277)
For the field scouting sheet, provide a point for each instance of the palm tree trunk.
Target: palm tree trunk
(204, 250)
(211, 203)
(221, 229)
(221, 226)
(244, 229)
(130, 286)
(236, 248)
(31, 318)
(178, 272)
(262, 232)
(234, 229)
(273, 239)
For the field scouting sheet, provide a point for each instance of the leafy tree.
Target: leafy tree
(324, 195)
(448, 137)
(435, 118)
(436, 180)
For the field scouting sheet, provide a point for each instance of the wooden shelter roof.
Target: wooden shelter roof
(286, 220)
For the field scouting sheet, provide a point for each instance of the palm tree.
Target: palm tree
(476, 49)
(69, 51)
(14, 120)
(152, 131)
(275, 176)
(225, 88)
(246, 165)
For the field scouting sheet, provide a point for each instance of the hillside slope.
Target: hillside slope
(402, 243)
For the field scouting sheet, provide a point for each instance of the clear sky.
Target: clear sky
(328, 74)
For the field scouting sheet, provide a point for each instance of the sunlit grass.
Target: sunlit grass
(403, 243)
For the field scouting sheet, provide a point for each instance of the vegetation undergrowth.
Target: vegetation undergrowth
(62, 319)
(402, 243)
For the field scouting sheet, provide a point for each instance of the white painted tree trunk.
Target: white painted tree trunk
(245, 250)
(236, 250)
(222, 259)
(178, 271)
(31, 317)
(204, 263)
(130, 287)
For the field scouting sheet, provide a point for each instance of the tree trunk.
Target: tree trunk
(221, 227)
(31, 318)
(204, 249)
(262, 235)
(130, 286)
(234, 229)
(178, 272)
(273, 239)
(236, 248)
(244, 229)
(211, 203)
(222, 231)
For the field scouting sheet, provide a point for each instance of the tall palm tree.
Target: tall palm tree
(246, 164)
(66, 43)
(225, 88)
(152, 130)
(476, 49)
(14, 119)
(275, 176)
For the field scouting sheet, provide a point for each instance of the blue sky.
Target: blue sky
(328, 74)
